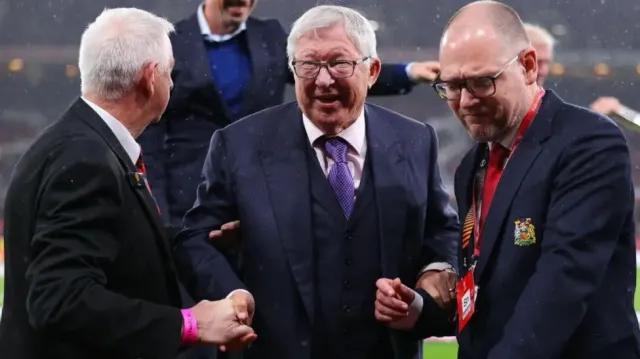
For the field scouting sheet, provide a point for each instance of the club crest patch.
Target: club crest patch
(524, 232)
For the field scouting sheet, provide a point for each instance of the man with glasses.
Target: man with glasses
(547, 266)
(332, 194)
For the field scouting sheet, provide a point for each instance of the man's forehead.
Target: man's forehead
(325, 40)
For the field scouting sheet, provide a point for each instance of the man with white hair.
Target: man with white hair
(89, 271)
(543, 42)
(331, 194)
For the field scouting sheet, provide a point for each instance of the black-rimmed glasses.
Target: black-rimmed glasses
(479, 87)
(337, 69)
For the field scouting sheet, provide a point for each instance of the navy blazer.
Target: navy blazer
(174, 149)
(255, 172)
(569, 293)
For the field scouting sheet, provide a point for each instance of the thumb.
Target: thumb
(242, 311)
(406, 294)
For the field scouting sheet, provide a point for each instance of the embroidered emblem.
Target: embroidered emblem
(524, 232)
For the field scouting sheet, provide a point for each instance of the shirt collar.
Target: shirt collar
(205, 30)
(354, 135)
(119, 130)
(508, 139)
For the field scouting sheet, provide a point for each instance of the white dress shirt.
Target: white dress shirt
(205, 30)
(122, 134)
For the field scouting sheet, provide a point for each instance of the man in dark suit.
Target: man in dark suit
(89, 269)
(228, 65)
(548, 251)
(331, 194)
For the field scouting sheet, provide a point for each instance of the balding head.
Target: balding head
(543, 42)
(488, 68)
(489, 19)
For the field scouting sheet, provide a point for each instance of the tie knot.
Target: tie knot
(499, 151)
(336, 147)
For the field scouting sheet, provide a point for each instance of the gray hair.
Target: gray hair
(117, 45)
(357, 26)
(541, 32)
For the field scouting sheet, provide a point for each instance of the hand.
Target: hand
(227, 235)
(245, 307)
(392, 300)
(606, 105)
(424, 71)
(440, 285)
(218, 324)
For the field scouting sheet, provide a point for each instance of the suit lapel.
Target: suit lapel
(136, 181)
(197, 63)
(515, 172)
(388, 170)
(284, 162)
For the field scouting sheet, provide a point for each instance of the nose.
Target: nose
(467, 99)
(324, 78)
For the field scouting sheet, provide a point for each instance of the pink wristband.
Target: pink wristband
(190, 327)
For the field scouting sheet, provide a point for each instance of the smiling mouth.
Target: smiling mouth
(327, 99)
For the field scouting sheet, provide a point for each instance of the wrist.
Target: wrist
(189, 327)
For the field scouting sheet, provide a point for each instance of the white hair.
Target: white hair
(117, 45)
(358, 28)
(541, 33)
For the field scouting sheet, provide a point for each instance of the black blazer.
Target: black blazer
(174, 149)
(89, 272)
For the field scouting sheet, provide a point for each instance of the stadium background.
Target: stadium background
(598, 53)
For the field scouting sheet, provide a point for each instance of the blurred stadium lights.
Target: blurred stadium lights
(557, 69)
(602, 69)
(71, 71)
(16, 65)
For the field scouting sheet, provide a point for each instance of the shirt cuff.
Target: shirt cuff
(235, 291)
(415, 309)
(439, 266)
(407, 69)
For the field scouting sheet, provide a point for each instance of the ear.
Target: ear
(148, 78)
(374, 70)
(529, 61)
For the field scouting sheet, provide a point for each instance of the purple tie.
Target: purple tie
(339, 174)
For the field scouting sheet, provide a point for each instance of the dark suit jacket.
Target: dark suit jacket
(569, 294)
(256, 170)
(89, 272)
(175, 149)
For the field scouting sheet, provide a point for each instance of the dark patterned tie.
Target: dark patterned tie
(339, 175)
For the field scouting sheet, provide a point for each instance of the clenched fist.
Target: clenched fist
(218, 324)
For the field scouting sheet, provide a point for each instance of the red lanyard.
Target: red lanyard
(472, 225)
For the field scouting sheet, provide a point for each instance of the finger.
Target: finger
(383, 318)
(384, 285)
(390, 312)
(215, 234)
(392, 302)
(230, 226)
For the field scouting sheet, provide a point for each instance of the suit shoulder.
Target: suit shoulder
(577, 122)
(400, 121)
(262, 120)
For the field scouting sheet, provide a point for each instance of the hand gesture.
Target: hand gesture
(244, 306)
(606, 105)
(218, 324)
(424, 71)
(440, 285)
(392, 300)
(227, 236)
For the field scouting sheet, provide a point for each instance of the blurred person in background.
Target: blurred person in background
(547, 261)
(543, 42)
(228, 65)
(331, 193)
(89, 269)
